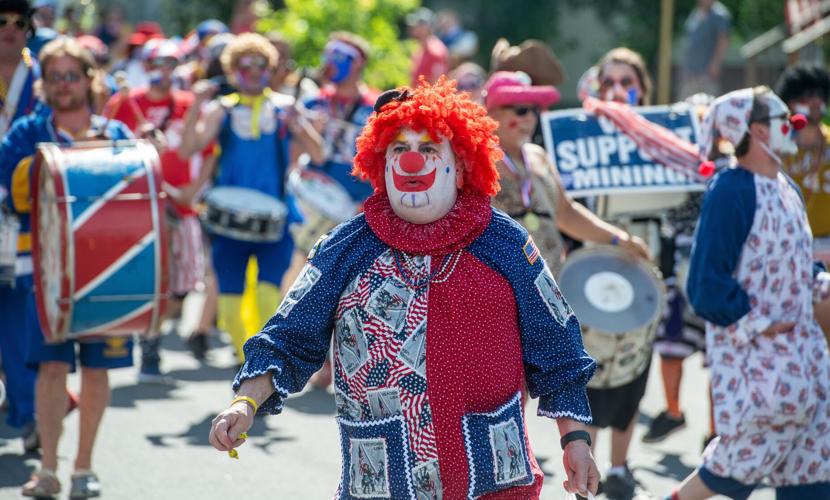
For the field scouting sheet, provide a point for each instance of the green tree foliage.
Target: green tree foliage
(637, 22)
(182, 16)
(516, 20)
(308, 23)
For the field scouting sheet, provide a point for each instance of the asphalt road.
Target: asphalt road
(153, 441)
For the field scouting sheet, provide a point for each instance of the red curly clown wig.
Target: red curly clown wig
(441, 112)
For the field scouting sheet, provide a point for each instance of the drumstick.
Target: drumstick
(124, 91)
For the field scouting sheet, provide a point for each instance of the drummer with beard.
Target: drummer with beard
(254, 135)
(532, 194)
(67, 87)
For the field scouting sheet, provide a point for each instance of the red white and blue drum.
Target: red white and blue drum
(100, 247)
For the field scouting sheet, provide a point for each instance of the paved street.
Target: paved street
(153, 442)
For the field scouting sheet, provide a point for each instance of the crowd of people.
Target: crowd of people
(430, 200)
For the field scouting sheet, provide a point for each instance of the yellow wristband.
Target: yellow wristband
(248, 400)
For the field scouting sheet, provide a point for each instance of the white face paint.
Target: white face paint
(420, 177)
(781, 131)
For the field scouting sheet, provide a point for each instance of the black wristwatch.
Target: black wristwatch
(575, 436)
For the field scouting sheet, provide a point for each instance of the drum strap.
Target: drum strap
(170, 109)
(282, 157)
(346, 121)
(12, 97)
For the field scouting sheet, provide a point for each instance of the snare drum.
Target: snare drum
(99, 241)
(619, 302)
(244, 214)
(322, 194)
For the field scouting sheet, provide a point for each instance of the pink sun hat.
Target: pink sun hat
(505, 88)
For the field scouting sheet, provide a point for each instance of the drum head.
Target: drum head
(322, 193)
(241, 200)
(51, 254)
(611, 292)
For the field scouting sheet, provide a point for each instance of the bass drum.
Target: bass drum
(619, 302)
(99, 240)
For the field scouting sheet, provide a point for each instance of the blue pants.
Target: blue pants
(18, 321)
(736, 490)
(230, 259)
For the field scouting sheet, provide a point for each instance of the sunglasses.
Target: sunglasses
(68, 77)
(252, 62)
(17, 21)
(161, 62)
(469, 84)
(524, 110)
(609, 82)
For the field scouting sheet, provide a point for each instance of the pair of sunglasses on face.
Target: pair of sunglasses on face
(524, 110)
(18, 22)
(252, 62)
(624, 82)
(163, 62)
(68, 77)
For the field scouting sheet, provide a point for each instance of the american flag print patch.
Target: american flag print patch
(531, 251)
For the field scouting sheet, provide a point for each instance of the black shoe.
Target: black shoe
(620, 487)
(663, 426)
(198, 345)
(31, 440)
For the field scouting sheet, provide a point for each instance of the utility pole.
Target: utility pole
(664, 63)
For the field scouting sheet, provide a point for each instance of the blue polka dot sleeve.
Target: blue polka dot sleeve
(294, 343)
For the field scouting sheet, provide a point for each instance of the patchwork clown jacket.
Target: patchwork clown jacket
(439, 329)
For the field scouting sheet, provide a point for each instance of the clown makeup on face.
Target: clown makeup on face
(420, 177)
(252, 73)
(813, 107)
(782, 133)
(339, 58)
(516, 124)
(618, 82)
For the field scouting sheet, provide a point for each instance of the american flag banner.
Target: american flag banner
(653, 140)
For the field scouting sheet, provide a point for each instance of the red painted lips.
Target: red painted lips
(413, 183)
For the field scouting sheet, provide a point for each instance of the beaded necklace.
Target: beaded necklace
(440, 275)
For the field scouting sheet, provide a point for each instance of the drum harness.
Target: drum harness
(279, 134)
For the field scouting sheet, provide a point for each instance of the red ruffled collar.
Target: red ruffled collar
(456, 230)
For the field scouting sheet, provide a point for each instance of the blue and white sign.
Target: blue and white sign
(594, 157)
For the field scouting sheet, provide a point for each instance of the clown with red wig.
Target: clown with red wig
(442, 312)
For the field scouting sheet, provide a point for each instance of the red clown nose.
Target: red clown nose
(798, 121)
(412, 162)
(706, 169)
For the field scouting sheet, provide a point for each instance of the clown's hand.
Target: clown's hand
(581, 469)
(228, 426)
